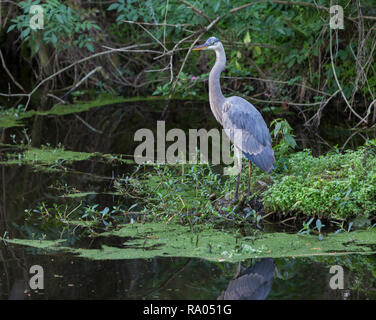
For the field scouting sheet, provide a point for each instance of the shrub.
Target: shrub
(337, 186)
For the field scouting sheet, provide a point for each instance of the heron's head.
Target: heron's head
(211, 44)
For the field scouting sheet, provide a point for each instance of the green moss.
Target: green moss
(13, 117)
(39, 244)
(86, 194)
(50, 156)
(80, 223)
(160, 239)
(46, 156)
(8, 122)
(78, 194)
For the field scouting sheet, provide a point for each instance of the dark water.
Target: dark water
(69, 277)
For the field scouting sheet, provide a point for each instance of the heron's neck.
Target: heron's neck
(216, 97)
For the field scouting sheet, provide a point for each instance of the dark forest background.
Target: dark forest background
(281, 55)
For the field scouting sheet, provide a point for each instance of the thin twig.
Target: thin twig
(149, 33)
(82, 80)
(88, 125)
(8, 72)
(95, 55)
(164, 26)
(198, 11)
(336, 79)
(159, 24)
(290, 3)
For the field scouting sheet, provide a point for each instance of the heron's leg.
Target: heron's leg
(238, 272)
(249, 177)
(237, 188)
(238, 155)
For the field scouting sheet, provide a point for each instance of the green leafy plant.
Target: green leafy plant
(319, 226)
(306, 227)
(334, 185)
(64, 27)
(284, 141)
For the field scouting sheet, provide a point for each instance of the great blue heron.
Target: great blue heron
(242, 122)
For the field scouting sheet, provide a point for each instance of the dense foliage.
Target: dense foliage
(281, 54)
(334, 185)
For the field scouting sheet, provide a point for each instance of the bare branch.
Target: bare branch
(198, 11)
(290, 3)
(8, 72)
(149, 33)
(159, 24)
(98, 54)
(336, 79)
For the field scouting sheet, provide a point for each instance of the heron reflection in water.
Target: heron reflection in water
(253, 283)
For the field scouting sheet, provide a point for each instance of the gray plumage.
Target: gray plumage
(242, 122)
(255, 140)
(253, 283)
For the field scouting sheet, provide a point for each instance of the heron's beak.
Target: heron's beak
(201, 47)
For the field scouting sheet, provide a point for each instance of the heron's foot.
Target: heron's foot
(248, 190)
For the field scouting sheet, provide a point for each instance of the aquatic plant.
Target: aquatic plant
(147, 240)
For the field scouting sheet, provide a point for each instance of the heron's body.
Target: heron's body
(254, 143)
(242, 122)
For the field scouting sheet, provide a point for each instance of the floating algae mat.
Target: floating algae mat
(172, 240)
(50, 156)
(44, 156)
(8, 120)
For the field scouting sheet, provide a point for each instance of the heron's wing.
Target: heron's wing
(247, 130)
(265, 267)
(253, 284)
(248, 287)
